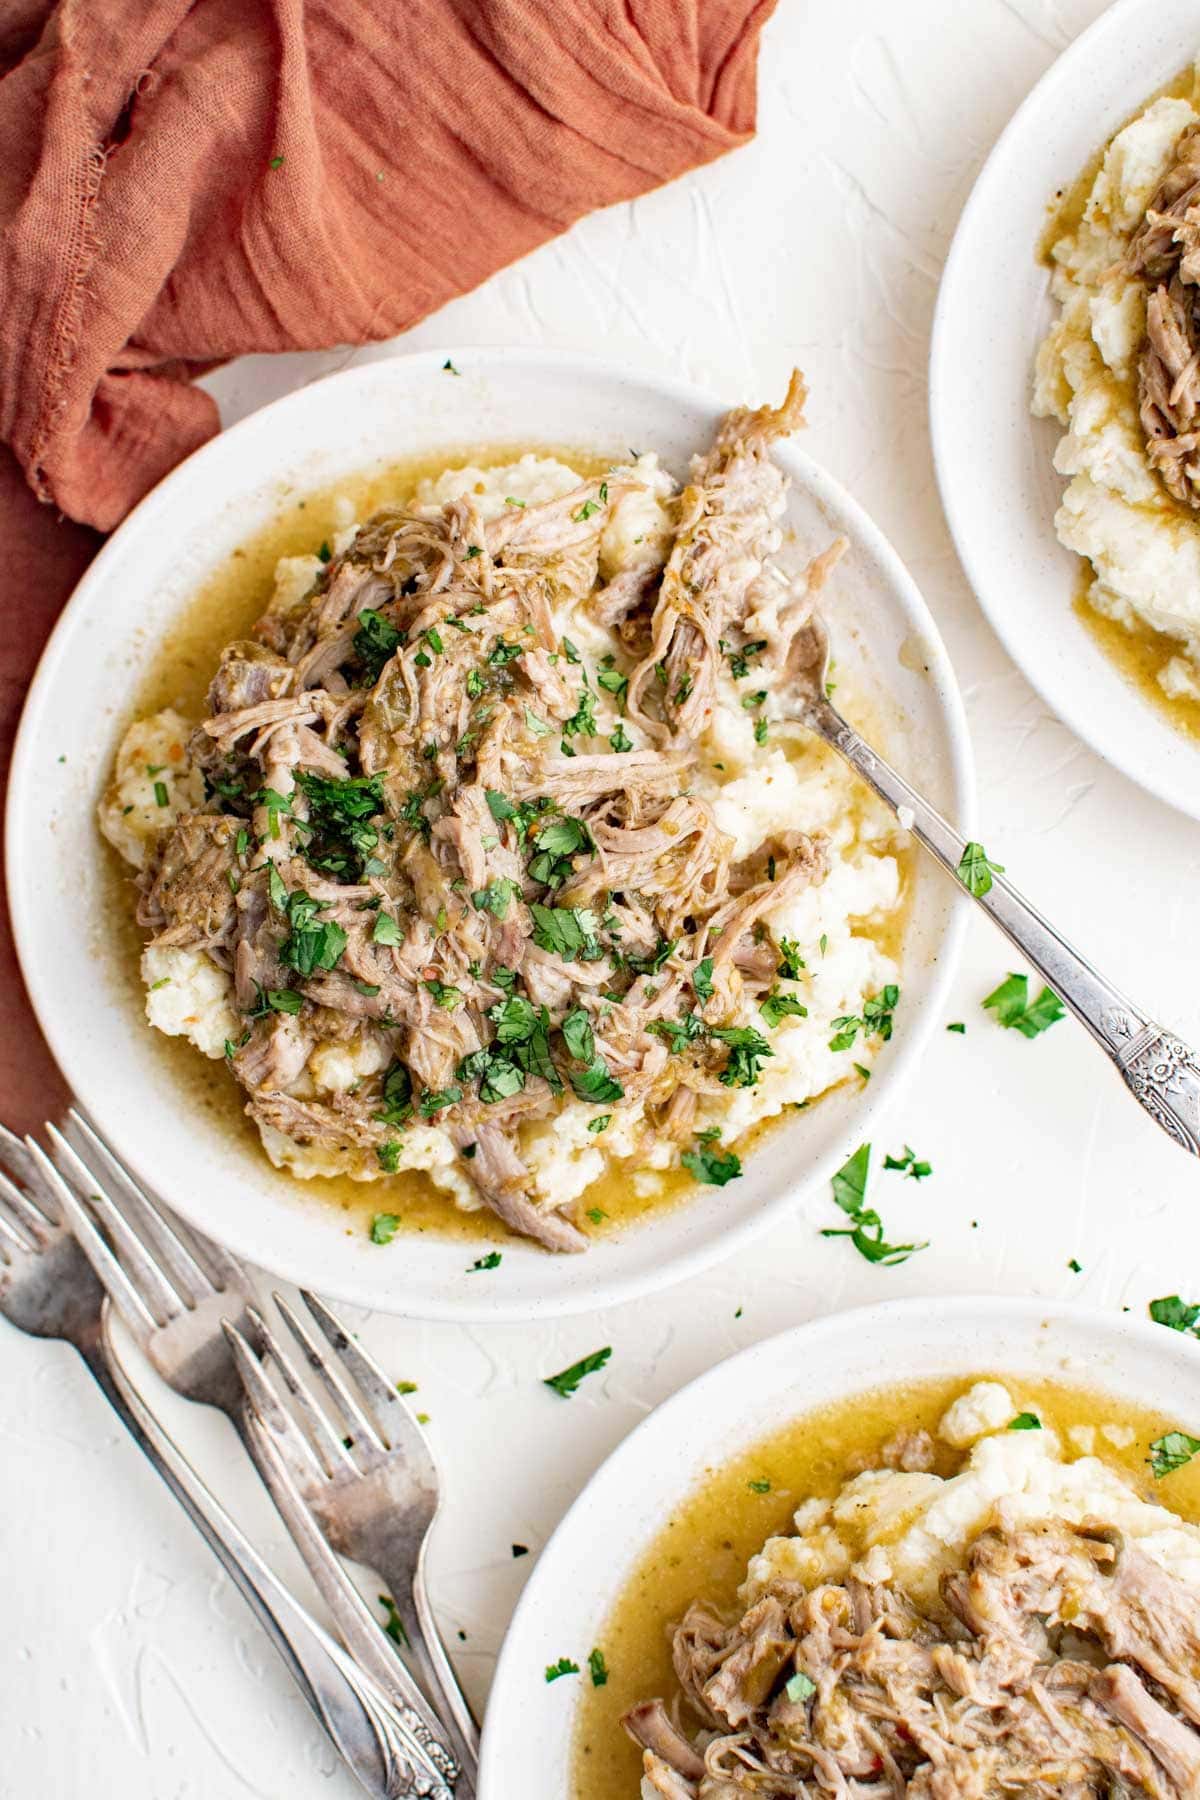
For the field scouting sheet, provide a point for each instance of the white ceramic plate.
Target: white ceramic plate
(84, 692)
(563, 1611)
(993, 459)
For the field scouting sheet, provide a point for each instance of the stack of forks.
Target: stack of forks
(345, 1462)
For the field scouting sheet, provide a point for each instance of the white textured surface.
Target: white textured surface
(126, 1663)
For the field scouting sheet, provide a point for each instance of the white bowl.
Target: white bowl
(994, 460)
(527, 1738)
(82, 696)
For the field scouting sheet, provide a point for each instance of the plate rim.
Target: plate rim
(479, 1305)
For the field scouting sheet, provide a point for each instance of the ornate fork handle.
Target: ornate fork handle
(1160, 1070)
(353, 1711)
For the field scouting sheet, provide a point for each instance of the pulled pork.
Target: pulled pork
(1165, 254)
(1061, 1663)
(417, 845)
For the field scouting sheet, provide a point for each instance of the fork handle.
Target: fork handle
(348, 1705)
(1159, 1069)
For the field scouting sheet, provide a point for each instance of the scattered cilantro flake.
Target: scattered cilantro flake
(564, 1666)
(434, 1100)
(164, 981)
(620, 739)
(711, 1165)
(598, 1668)
(324, 553)
(569, 932)
(1171, 1452)
(800, 1687)
(538, 726)
(777, 1006)
(384, 1227)
(492, 1260)
(861, 1069)
(586, 511)
(975, 870)
(909, 1164)
(747, 1049)
(866, 1228)
(1010, 1003)
(702, 979)
(759, 1485)
(760, 731)
(1179, 1315)
(958, 1026)
(388, 1156)
(447, 997)
(1025, 1421)
(406, 1387)
(386, 930)
(448, 368)
(376, 641)
(568, 1380)
(276, 162)
(600, 1124)
(393, 1624)
(1075, 1266)
(790, 960)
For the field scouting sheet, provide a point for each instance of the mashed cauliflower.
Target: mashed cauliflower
(913, 1528)
(1143, 547)
(754, 790)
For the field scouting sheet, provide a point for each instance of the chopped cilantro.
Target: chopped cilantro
(1179, 1315)
(393, 1624)
(376, 641)
(386, 930)
(958, 1026)
(747, 1049)
(564, 1666)
(865, 1229)
(909, 1164)
(568, 1380)
(1025, 1421)
(975, 870)
(759, 1486)
(492, 1260)
(790, 960)
(567, 931)
(1171, 1452)
(779, 1006)
(600, 1124)
(434, 1100)
(388, 1156)
(702, 979)
(1010, 1003)
(597, 1668)
(497, 896)
(312, 943)
(710, 1165)
(384, 1227)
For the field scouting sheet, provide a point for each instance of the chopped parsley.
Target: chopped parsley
(384, 1227)
(568, 1380)
(312, 943)
(620, 738)
(388, 1156)
(702, 979)
(610, 678)
(909, 1164)
(1179, 1315)
(434, 1100)
(600, 1124)
(1010, 1003)
(866, 1228)
(280, 1000)
(710, 1164)
(564, 1666)
(597, 1668)
(747, 1049)
(958, 1026)
(556, 842)
(497, 896)
(447, 997)
(340, 815)
(1025, 1421)
(492, 1260)
(975, 870)
(376, 642)
(582, 722)
(779, 1006)
(876, 1018)
(1171, 1452)
(386, 930)
(680, 1032)
(567, 931)
(790, 960)
(397, 1096)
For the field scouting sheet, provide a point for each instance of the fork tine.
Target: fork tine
(16, 1155)
(322, 1441)
(156, 1291)
(271, 1414)
(371, 1380)
(351, 1411)
(87, 1235)
(11, 1236)
(27, 1214)
(168, 1249)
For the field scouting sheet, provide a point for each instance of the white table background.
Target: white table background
(127, 1664)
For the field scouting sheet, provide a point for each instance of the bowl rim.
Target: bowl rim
(1172, 782)
(557, 1561)
(691, 1256)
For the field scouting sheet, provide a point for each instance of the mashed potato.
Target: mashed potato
(755, 789)
(1143, 547)
(912, 1528)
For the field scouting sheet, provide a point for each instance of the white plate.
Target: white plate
(563, 1611)
(84, 691)
(994, 461)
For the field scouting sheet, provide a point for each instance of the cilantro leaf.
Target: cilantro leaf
(1170, 1452)
(747, 1049)
(1179, 1315)
(711, 1165)
(598, 1668)
(1010, 1003)
(1025, 1421)
(384, 1227)
(702, 979)
(375, 642)
(567, 931)
(779, 1006)
(568, 1380)
(975, 870)
(564, 1666)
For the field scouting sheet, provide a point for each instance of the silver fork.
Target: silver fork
(1160, 1070)
(48, 1289)
(366, 1472)
(174, 1289)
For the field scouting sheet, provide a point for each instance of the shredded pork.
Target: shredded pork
(417, 842)
(1165, 254)
(1060, 1663)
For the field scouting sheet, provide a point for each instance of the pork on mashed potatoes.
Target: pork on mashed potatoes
(494, 857)
(1026, 1625)
(1120, 369)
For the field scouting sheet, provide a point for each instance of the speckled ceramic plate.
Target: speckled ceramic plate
(994, 460)
(85, 690)
(530, 1727)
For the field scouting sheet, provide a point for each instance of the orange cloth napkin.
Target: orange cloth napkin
(183, 181)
